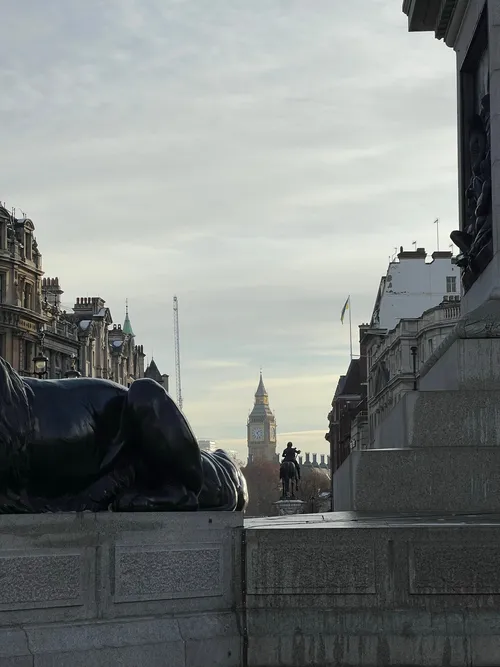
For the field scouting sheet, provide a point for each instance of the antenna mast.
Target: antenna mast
(436, 222)
(177, 354)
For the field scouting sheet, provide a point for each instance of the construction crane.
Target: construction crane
(177, 354)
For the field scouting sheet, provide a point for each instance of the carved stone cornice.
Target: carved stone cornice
(443, 17)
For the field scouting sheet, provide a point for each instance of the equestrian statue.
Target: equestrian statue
(88, 444)
(290, 471)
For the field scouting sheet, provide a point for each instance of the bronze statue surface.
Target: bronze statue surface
(92, 445)
(474, 240)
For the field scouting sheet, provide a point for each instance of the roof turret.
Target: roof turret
(127, 325)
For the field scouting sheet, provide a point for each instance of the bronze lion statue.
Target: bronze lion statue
(92, 445)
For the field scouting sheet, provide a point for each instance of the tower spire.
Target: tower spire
(261, 393)
(127, 325)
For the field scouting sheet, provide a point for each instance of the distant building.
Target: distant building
(417, 303)
(261, 429)
(127, 358)
(106, 352)
(59, 340)
(207, 445)
(153, 372)
(413, 285)
(395, 358)
(33, 322)
(348, 417)
(28, 326)
(315, 461)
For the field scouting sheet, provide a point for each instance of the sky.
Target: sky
(260, 160)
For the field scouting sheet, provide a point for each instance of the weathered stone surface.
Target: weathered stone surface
(425, 479)
(50, 578)
(157, 655)
(135, 589)
(350, 569)
(443, 568)
(467, 364)
(164, 574)
(434, 602)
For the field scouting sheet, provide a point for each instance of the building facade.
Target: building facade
(261, 429)
(29, 324)
(348, 416)
(34, 324)
(207, 445)
(417, 304)
(395, 358)
(59, 340)
(412, 285)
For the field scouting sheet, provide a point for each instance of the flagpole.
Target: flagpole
(350, 327)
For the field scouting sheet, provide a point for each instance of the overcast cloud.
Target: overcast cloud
(259, 159)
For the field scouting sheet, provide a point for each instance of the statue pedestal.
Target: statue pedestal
(142, 589)
(288, 507)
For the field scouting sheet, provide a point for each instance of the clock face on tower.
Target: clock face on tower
(257, 433)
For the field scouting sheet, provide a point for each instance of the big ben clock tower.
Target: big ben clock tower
(261, 428)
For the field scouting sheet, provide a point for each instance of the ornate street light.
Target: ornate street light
(40, 363)
(73, 372)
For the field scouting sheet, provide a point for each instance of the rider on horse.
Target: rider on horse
(290, 454)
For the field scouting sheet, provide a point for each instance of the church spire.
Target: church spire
(127, 325)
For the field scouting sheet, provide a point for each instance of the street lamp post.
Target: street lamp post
(40, 363)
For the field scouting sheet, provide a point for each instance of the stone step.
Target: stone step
(424, 479)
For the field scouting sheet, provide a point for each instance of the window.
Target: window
(2, 345)
(451, 284)
(431, 346)
(2, 287)
(28, 296)
(28, 356)
(28, 246)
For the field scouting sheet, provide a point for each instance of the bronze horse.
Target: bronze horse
(289, 479)
(91, 444)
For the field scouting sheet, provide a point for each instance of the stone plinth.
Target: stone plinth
(289, 507)
(423, 479)
(442, 419)
(120, 590)
(362, 591)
